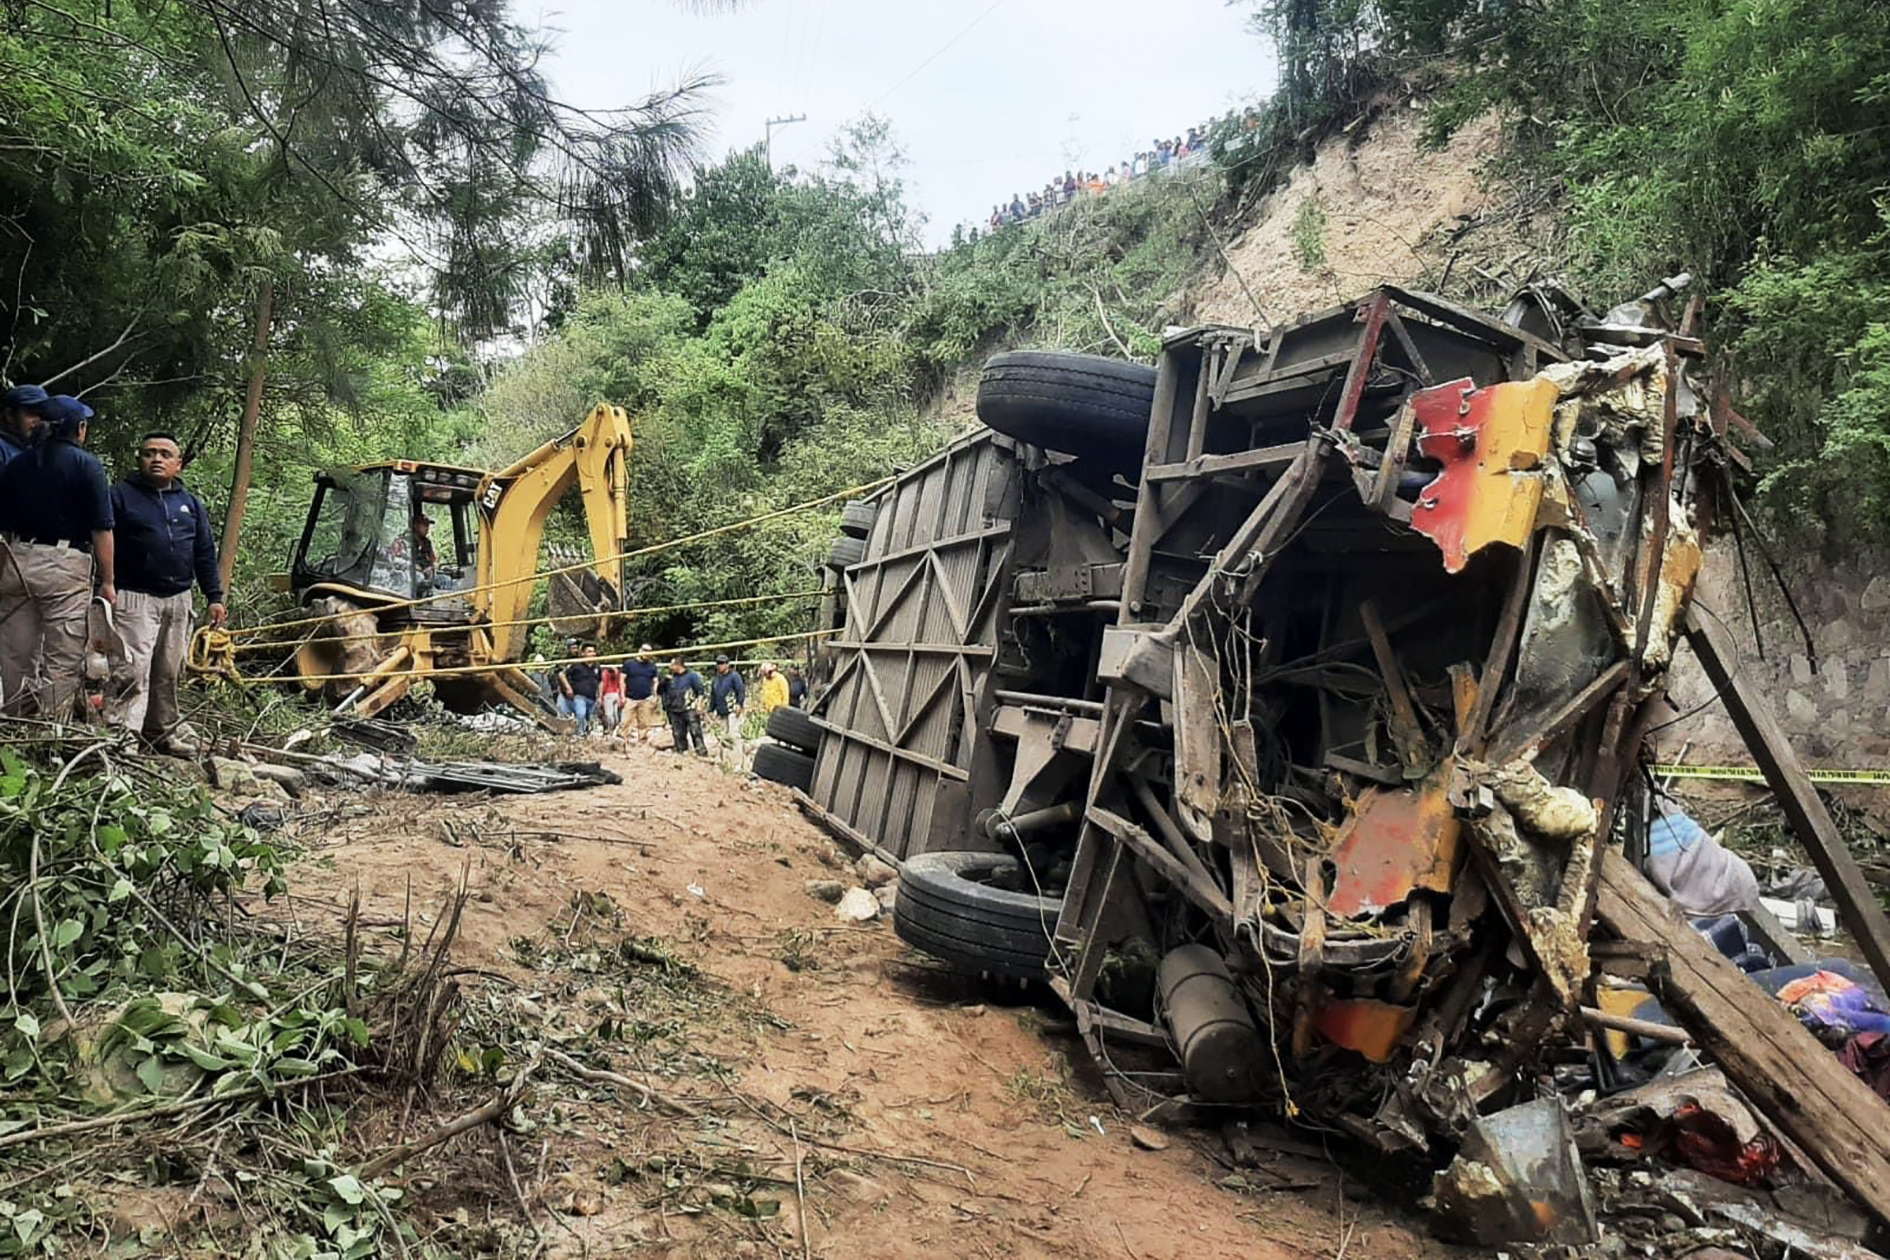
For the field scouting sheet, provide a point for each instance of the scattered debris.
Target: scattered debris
(874, 872)
(411, 774)
(858, 905)
(1518, 1178)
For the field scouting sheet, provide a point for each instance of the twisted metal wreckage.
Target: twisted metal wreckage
(1283, 705)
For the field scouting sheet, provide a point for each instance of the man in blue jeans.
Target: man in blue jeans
(580, 688)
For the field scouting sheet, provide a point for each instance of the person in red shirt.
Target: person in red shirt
(610, 698)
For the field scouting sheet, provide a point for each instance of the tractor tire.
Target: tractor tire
(785, 766)
(950, 907)
(846, 553)
(856, 518)
(1079, 404)
(793, 727)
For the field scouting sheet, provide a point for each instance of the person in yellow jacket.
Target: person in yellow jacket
(774, 692)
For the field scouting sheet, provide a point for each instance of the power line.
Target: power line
(919, 69)
(942, 50)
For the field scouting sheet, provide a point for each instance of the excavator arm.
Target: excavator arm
(515, 502)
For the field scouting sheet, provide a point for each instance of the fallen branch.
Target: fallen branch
(788, 1130)
(652, 1097)
(503, 1102)
(800, 1194)
(70, 1127)
(1102, 313)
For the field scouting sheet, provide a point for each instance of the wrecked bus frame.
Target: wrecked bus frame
(1281, 730)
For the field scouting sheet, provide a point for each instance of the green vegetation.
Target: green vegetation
(1744, 141)
(784, 340)
(1309, 234)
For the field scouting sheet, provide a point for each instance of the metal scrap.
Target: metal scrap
(411, 774)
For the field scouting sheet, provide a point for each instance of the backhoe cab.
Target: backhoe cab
(392, 620)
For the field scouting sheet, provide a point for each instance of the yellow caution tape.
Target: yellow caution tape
(1752, 774)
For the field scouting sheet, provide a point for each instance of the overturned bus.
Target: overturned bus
(1273, 703)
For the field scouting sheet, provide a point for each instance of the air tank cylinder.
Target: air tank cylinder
(1223, 1055)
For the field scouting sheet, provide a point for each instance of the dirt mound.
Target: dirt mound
(1374, 206)
(659, 930)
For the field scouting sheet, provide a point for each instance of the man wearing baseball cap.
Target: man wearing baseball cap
(21, 412)
(55, 528)
(728, 696)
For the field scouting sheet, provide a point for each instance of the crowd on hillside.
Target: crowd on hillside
(1161, 157)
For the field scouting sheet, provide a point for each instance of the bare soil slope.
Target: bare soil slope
(1375, 206)
(924, 1115)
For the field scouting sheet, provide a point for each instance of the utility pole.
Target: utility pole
(771, 124)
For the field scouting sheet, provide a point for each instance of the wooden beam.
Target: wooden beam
(1777, 1064)
(1406, 731)
(1858, 909)
(1510, 744)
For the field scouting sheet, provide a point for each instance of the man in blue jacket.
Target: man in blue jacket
(728, 696)
(164, 546)
(55, 529)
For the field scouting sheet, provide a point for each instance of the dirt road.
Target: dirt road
(660, 931)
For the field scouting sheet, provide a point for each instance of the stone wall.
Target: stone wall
(1834, 699)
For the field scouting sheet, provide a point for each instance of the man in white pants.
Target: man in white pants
(164, 545)
(728, 698)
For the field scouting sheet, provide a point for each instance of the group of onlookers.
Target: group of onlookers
(606, 695)
(96, 576)
(1162, 155)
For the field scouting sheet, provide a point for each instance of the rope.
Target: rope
(632, 554)
(275, 644)
(499, 666)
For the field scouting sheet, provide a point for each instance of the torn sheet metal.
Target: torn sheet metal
(1396, 841)
(1493, 444)
(1519, 1179)
(1374, 1029)
(413, 775)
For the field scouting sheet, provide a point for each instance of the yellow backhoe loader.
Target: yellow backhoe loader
(389, 620)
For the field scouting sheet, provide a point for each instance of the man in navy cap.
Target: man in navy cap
(21, 412)
(162, 545)
(55, 526)
(728, 697)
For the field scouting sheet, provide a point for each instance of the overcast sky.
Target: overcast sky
(988, 97)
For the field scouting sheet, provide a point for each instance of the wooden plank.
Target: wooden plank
(1510, 744)
(1776, 1063)
(1858, 909)
(1397, 454)
(1503, 642)
(1406, 731)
